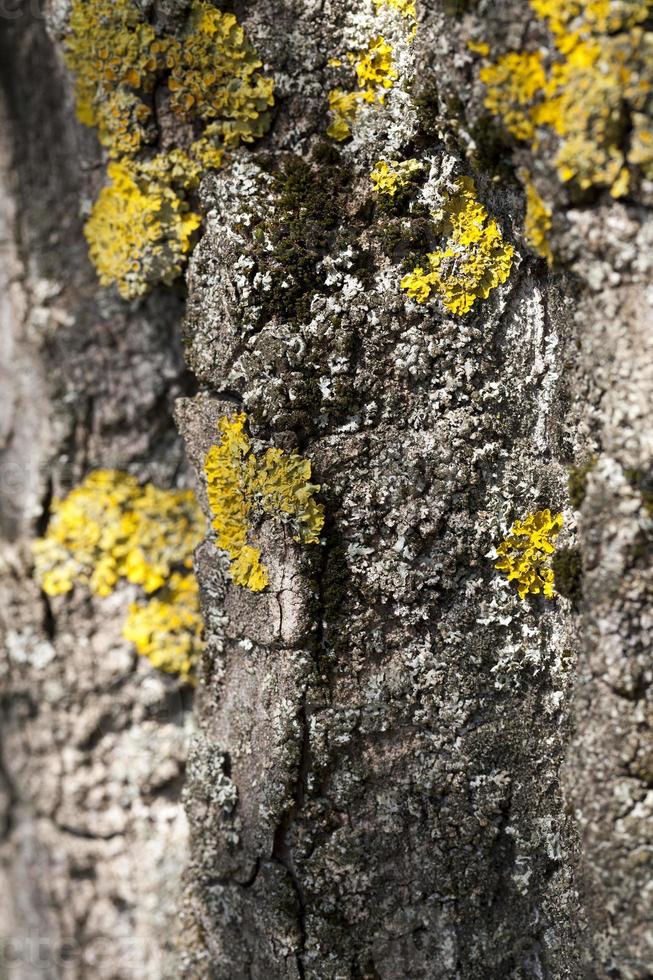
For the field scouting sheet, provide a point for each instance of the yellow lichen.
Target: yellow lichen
(512, 83)
(390, 176)
(524, 555)
(594, 96)
(139, 232)
(473, 260)
(168, 629)
(111, 528)
(111, 49)
(239, 485)
(214, 73)
(141, 226)
(538, 221)
(375, 73)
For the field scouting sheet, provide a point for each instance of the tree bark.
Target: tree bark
(393, 767)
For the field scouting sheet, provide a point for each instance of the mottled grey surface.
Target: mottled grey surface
(401, 769)
(93, 742)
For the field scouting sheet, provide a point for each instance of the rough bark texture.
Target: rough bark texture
(400, 770)
(93, 744)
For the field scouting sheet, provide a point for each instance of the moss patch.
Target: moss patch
(568, 573)
(303, 227)
(577, 482)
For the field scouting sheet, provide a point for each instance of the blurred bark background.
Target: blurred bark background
(391, 766)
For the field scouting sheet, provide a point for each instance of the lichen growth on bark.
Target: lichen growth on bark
(592, 93)
(239, 484)
(111, 528)
(473, 260)
(525, 554)
(538, 220)
(140, 228)
(390, 176)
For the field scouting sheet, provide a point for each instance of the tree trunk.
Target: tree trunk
(392, 766)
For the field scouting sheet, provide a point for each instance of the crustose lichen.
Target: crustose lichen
(390, 176)
(110, 528)
(525, 554)
(239, 484)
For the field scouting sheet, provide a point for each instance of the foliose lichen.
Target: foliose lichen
(390, 176)
(474, 258)
(241, 487)
(592, 92)
(140, 229)
(525, 554)
(375, 73)
(110, 528)
(375, 63)
(538, 220)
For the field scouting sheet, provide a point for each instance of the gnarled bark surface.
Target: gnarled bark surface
(399, 769)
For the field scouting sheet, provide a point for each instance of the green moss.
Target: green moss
(302, 228)
(577, 482)
(568, 573)
(426, 100)
(491, 152)
(404, 238)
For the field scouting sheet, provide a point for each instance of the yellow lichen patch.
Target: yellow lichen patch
(600, 16)
(139, 232)
(594, 96)
(473, 260)
(122, 120)
(229, 467)
(537, 223)
(390, 176)
(111, 528)
(524, 555)
(512, 83)
(214, 73)
(282, 482)
(375, 73)
(140, 229)
(168, 629)
(239, 485)
(110, 48)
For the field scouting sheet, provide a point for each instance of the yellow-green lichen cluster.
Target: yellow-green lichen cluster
(538, 220)
(526, 553)
(140, 229)
(592, 91)
(390, 176)
(110, 528)
(375, 73)
(374, 66)
(239, 484)
(473, 260)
